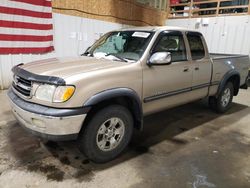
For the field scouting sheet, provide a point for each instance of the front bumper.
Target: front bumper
(46, 122)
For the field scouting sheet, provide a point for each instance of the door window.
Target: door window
(196, 46)
(173, 43)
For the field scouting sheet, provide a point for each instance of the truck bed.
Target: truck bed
(215, 56)
(238, 62)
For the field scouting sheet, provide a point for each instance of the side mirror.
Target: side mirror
(160, 58)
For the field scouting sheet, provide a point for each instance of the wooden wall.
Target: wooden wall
(120, 11)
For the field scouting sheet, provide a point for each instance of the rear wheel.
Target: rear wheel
(224, 101)
(107, 134)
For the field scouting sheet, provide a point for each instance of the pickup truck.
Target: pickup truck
(101, 97)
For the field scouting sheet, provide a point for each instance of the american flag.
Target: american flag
(26, 26)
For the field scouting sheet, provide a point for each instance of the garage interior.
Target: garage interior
(186, 146)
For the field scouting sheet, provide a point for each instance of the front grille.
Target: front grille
(21, 85)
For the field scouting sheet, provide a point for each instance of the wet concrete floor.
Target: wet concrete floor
(188, 146)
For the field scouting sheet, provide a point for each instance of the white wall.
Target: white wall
(229, 34)
(72, 35)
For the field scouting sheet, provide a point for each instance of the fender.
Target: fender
(246, 85)
(120, 92)
(224, 80)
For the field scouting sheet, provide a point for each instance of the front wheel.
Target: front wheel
(107, 134)
(224, 101)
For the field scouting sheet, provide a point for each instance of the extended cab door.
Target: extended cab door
(201, 63)
(169, 85)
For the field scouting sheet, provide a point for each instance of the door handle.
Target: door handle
(186, 69)
(196, 68)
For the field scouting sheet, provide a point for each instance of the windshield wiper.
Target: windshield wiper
(118, 57)
(86, 54)
(130, 59)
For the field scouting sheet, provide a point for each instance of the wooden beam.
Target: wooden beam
(234, 14)
(218, 8)
(168, 8)
(177, 17)
(191, 8)
(180, 5)
(208, 2)
(249, 7)
(179, 11)
(203, 9)
(204, 16)
(233, 7)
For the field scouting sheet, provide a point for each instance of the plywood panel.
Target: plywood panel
(119, 11)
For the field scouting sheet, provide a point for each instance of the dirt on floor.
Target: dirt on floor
(188, 146)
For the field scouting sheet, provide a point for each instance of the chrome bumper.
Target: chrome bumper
(46, 126)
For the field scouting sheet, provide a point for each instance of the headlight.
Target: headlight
(45, 92)
(51, 93)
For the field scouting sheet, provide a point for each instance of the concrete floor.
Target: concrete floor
(189, 146)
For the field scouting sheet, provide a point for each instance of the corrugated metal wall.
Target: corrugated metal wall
(72, 36)
(223, 34)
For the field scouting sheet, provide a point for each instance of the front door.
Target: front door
(166, 86)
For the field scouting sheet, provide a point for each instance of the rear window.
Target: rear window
(196, 46)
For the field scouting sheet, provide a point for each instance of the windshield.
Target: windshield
(121, 45)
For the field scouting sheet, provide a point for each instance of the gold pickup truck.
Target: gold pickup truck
(99, 98)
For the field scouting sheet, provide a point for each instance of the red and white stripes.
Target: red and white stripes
(26, 26)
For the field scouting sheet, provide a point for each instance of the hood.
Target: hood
(66, 67)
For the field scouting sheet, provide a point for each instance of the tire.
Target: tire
(224, 101)
(94, 139)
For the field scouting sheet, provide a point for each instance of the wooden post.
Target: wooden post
(191, 8)
(218, 8)
(168, 9)
(249, 7)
